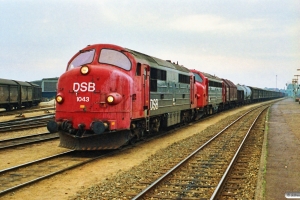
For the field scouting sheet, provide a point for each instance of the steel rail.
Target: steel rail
(27, 164)
(234, 159)
(30, 140)
(53, 173)
(21, 111)
(14, 121)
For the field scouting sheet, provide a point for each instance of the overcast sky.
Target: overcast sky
(251, 42)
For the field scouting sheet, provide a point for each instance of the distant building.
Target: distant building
(48, 86)
(292, 90)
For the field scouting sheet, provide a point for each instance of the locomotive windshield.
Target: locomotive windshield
(116, 58)
(84, 57)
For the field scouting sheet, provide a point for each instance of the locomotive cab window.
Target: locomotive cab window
(116, 58)
(85, 57)
(138, 69)
(198, 78)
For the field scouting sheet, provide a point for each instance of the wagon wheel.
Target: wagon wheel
(133, 136)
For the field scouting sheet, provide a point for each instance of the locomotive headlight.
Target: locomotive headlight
(110, 99)
(84, 70)
(113, 98)
(59, 99)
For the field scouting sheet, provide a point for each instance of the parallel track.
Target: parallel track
(26, 123)
(197, 176)
(241, 178)
(26, 110)
(14, 142)
(28, 173)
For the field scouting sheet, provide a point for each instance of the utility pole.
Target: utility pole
(297, 77)
(295, 86)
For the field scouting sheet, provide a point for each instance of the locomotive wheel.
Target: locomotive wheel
(133, 140)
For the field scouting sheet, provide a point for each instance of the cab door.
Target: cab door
(140, 96)
(146, 89)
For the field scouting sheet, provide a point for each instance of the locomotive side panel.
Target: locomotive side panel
(215, 93)
(169, 94)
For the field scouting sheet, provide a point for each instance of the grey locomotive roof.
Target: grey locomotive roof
(154, 62)
(212, 77)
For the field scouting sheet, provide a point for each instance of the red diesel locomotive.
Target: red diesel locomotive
(110, 96)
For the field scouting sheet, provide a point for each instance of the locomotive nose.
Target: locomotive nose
(99, 127)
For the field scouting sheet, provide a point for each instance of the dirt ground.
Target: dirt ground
(66, 185)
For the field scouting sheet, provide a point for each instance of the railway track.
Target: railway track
(28, 173)
(16, 174)
(31, 139)
(22, 111)
(201, 174)
(25, 123)
(240, 180)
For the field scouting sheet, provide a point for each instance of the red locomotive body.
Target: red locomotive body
(212, 90)
(201, 85)
(97, 93)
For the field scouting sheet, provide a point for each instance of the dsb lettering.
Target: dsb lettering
(84, 87)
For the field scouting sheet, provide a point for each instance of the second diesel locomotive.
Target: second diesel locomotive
(110, 95)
